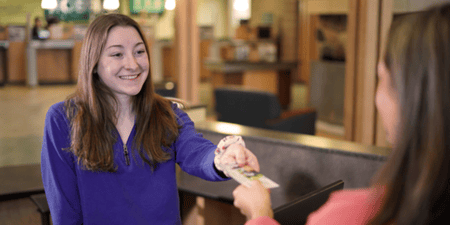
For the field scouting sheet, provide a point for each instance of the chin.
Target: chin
(134, 93)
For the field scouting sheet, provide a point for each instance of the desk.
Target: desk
(32, 60)
(266, 76)
(3, 47)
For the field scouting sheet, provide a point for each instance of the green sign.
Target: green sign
(148, 6)
(71, 10)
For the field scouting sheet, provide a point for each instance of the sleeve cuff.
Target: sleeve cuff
(217, 173)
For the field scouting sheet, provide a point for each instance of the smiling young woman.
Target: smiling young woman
(102, 96)
(109, 151)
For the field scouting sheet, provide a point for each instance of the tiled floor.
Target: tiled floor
(23, 112)
(22, 118)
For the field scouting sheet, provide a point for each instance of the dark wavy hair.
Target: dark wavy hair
(92, 108)
(416, 176)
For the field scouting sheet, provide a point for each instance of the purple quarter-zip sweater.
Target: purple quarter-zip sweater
(132, 195)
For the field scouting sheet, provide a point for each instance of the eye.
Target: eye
(140, 52)
(116, 55)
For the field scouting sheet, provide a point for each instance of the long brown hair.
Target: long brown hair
(92, 108)
(416, 176)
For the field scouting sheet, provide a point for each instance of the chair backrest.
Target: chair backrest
(297, 211)
(246, 107)
(166, 89)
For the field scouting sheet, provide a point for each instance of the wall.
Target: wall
(213, 12)
(285, 22)
(15, 11)
(401, 6)
(259, 7)
(209, 12)
(327, 6)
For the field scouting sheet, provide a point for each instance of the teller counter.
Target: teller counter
(52, 61)
(298, 163)
(39, 61)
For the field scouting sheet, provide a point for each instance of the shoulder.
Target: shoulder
(57, 109)
(57, 113)
(180, 114)
(348, 207)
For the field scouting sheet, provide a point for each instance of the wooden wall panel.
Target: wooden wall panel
(205, 74)
(169, 63)
(75, 55)
(17, 72)
(53, 65)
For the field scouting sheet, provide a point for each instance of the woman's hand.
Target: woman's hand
(231, 150)
(238, 154)
(253, 201)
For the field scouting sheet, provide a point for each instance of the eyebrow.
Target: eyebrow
(121, 46)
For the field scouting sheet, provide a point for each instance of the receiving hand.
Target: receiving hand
(253, 201)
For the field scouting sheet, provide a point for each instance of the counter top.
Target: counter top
(52, 44)
(298, 163)
(327, 144)
(239, 66)
(20, 181)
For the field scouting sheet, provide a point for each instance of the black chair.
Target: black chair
(166, 89)
(41, 202)
(297, 211)
(262, 110)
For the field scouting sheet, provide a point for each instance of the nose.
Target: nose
(131, 63)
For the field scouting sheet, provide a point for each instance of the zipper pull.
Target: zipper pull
(125, 152)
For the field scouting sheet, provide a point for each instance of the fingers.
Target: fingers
(252, 160)
(241, 158)
(256, 183)
(250, 200)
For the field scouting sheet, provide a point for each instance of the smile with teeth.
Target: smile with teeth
(129, 77)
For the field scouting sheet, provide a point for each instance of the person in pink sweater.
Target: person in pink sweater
(413, 99)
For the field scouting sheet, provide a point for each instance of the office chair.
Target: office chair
(262, 110)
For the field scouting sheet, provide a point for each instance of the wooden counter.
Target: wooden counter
(53, 64)
(266, 76)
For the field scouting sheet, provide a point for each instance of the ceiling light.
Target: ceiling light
(170, 4)
(49, 4)
(111, 4)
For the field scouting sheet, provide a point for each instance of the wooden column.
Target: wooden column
(363, 51)
(350, 70)
(385, 24)
(187, 50)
